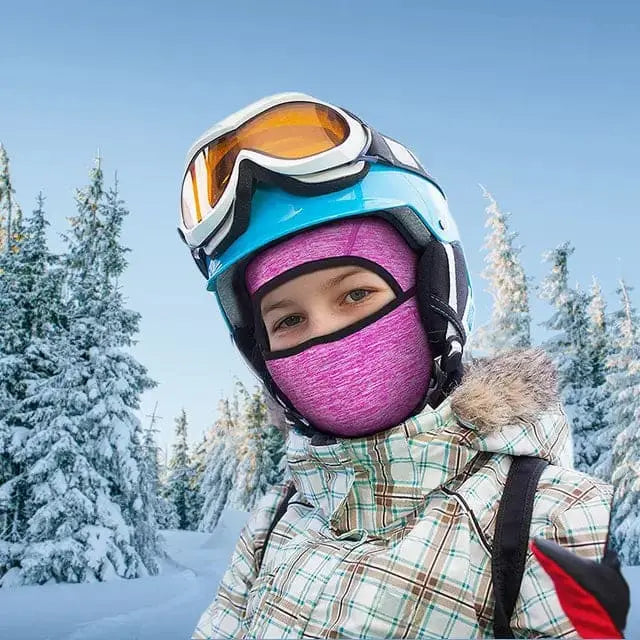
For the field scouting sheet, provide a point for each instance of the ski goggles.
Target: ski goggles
(290, 140)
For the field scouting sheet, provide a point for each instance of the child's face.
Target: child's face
(319, 303)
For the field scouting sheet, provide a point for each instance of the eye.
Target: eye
(357, 295)
(288, 322)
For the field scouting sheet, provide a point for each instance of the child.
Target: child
(414, 485)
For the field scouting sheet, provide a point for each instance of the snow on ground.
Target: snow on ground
(164, 606)
(158, 608)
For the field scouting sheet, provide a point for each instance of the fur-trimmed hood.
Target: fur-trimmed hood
(512, 405)
(516, 387)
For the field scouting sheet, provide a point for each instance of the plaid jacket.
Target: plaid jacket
(389, 536)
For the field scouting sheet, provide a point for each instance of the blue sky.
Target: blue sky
(539, 102)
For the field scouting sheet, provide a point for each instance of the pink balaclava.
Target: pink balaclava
(367, 377)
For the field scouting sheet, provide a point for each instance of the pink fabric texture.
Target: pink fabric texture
(367, 237)
(373, 378)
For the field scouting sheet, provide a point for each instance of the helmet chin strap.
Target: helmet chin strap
(446, 374)
(295, 420)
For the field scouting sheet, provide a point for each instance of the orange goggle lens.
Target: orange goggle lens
(290, 131)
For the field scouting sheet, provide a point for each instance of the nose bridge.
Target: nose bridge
(323, 317)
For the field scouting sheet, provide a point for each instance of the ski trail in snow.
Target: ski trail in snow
(135, 624)
(194, 590)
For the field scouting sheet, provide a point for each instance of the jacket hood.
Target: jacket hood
(506, 405)
(516, 387)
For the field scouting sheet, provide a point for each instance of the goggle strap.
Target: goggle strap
(298, 187)
(241, 207)
(381, 147)
(200, 258)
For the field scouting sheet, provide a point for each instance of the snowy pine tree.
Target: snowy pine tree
(260, 450)
(595, 397)
(569, 349)
(275, 455)
(29, 316)
(510, 324)
(149, 466)
(14, 334)
(623, 382)
(118, 378)
(598, 338)
(198, 460)
(6, 201)
(179, 487)
(222, 461)
(620, 384)
(248, 449)
(165, 513)
(625, 515)
(89, 510)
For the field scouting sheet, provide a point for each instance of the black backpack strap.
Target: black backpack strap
(280, 511)
(511, 539)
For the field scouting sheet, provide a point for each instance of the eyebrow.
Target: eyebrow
(285, 302)
(339, 278)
